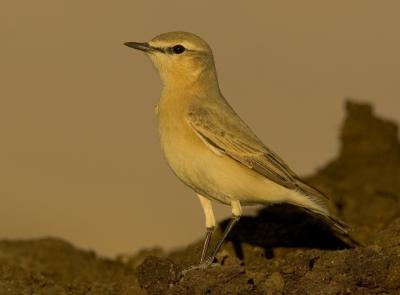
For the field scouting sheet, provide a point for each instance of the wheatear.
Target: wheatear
(210, 148)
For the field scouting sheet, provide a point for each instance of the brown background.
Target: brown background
(79, 153)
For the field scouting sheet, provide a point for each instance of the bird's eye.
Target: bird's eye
(178, 49)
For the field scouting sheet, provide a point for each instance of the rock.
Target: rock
(274, 284)
(156, 275)
(216, 280)
(53, 266)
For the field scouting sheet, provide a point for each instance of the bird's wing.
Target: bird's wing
(223, 130)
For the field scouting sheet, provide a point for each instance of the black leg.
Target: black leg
(206, 262)
(206, 243)
(217, 247)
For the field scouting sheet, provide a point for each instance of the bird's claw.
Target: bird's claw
(203, 265)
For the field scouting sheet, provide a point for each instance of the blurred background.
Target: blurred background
(79, 151)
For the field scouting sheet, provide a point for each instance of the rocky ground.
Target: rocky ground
(281, 251)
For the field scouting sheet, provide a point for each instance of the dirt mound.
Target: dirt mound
(281, 251)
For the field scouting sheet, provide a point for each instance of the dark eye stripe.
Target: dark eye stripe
(169, 50)
(163, 50)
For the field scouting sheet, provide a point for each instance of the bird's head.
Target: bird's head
(179, 57)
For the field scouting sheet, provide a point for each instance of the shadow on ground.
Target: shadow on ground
(282, 226)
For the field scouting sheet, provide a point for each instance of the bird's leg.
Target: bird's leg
(210, 224)
(236, 214)
(207, 240)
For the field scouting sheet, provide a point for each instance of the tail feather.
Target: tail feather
(308, 189)
(339, 228)
(320, 210)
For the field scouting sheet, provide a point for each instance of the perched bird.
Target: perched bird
(210, 148)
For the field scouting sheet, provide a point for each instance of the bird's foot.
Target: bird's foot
(203, 265)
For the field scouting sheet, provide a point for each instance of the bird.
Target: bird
(211, 149)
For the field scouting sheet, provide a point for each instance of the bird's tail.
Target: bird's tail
(319, 209)
(339, 228)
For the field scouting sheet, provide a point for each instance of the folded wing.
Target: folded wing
(223, 130)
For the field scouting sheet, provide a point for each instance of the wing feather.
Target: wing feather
(231, 136)
(225, 132)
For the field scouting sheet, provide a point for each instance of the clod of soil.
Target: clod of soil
(281, 251)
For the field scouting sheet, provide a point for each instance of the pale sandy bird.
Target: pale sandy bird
(210, 148)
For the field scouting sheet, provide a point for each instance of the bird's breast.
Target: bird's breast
(186, 154)
(179, 144)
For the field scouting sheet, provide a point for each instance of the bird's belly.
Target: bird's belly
(213, 175)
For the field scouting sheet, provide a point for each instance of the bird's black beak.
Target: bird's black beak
(139, 46)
